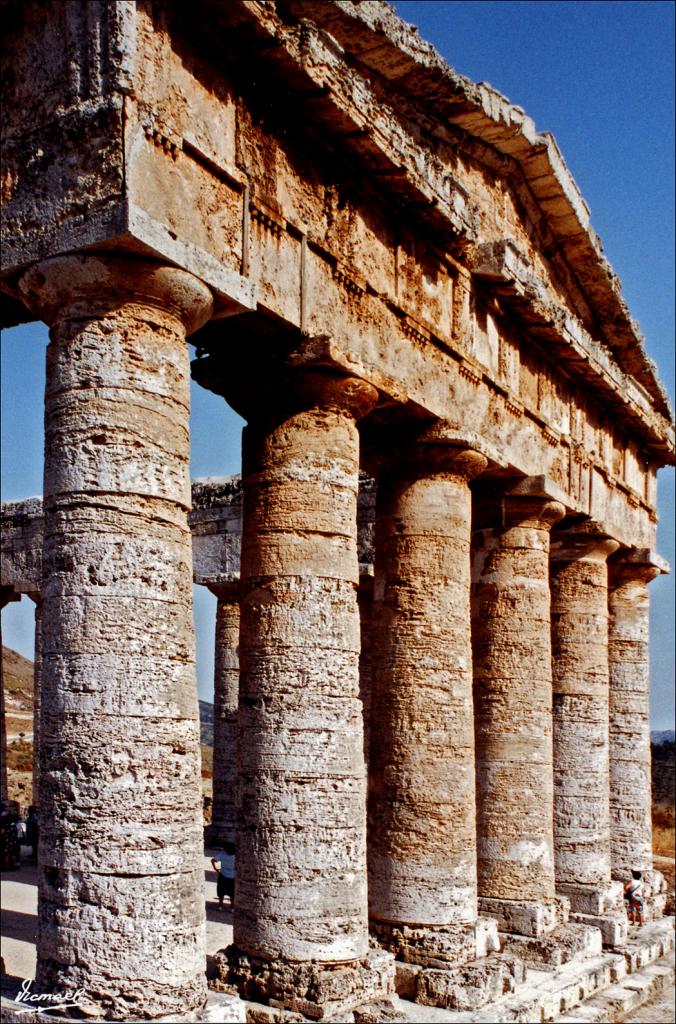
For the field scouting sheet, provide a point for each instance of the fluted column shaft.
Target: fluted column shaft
(513, 702)
(301, 840)
(226, 697)
(579, 585)
(121, 911)
(630, 781)
(422, 830)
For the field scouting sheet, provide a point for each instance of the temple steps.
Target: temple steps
(604, 987)
(615, 1002)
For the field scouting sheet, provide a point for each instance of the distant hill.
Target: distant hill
(17, 674)
(206, 723)
(665, 736)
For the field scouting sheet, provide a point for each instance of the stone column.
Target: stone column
(301, 839)
(579, 585)
(37, 697)
(513, 712)
(365, 601)
(226, 696)
(630, 782)
(121, 906)
(422, 825)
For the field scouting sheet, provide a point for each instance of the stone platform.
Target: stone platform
(603, 987)
(578, 982)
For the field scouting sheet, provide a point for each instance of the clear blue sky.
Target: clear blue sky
(600, 76)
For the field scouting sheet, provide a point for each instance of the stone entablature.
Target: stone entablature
(451, 305)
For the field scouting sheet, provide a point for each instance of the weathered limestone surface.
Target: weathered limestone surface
(579, 584)
(22, 529)
(422, 832)
(484, 280)
(365, 602)
(216, 529)
(513, 710)
(226, 697)
(120, 907)
(359, 218)
(301, 840)
(630, 785)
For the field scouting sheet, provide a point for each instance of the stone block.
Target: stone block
(318, 991)
(406, 979)
(587, 1014)
(655, 906)
(472, 985)
(617, 1000)
(258, 1013)
(566, 943)
(523, 917)
(661, 975)
(438, 946)
(613, 927)
(618, 967)
(380, 1011)
(593, 900)
(224, 1009)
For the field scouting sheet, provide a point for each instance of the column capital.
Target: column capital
(581, 541)
(419, 459)
(429, 449)
(82, 286)
(506, 511)
(226, 590)
(636, 565)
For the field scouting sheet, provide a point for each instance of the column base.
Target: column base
(437, 946)
(592, 899)
(614, 927)
(526, 917)
(317, 991)
(598, 906)
(567, 943)
(467, 986)
(654, 882)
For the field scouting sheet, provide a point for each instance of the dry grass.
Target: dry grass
(207, 762)
(20, 755)
(664, 821)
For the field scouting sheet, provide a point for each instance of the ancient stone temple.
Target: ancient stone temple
(432, 738)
